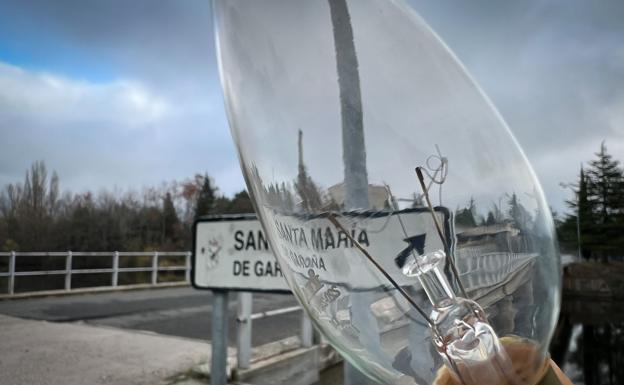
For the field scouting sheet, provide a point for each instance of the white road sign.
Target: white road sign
(233, 253)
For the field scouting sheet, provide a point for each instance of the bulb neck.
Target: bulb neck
(437, 287)
(428, 269)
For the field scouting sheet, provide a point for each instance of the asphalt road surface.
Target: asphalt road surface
(183, 312)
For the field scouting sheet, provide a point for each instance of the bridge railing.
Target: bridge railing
(114, 270)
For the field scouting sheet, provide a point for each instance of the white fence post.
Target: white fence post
(188, 267)
(115, 277)
(155, 268)
(68, 270)
(12, 273)
(243, 337)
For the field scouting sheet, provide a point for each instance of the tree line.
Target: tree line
(595, 224)
(36, 216)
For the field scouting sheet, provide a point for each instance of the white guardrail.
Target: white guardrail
(114, 270)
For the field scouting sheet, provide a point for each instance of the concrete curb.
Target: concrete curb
(297, 367)
(282, 362)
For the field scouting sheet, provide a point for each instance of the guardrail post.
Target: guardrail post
(115, 277)
(218, 360)
(155, 268)
(188, 267)
(243, 338)
(68, 270)
(11, 288)
(307, 332)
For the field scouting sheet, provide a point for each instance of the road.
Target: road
(182, 312)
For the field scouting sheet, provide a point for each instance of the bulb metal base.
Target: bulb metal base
(523, 355)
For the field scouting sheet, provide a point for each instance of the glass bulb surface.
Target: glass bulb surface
(332, 105)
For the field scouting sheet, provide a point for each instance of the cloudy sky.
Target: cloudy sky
(126, 93)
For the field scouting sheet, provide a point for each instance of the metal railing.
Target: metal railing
(114, 270)
(244, 318)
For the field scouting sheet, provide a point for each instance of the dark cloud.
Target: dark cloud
(553, 68)
(166, 44)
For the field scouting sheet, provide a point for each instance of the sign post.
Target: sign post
(243, 337)
(218, 359)
(231, 253)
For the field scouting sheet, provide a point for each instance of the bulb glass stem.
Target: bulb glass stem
(432, 279)
(461, 332)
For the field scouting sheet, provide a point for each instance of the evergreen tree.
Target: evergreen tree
(599, 209)
(585, 217)
(287, 200)
(605, 186)
(222, 205)
(466, 217)
(206, 198)
(305, 186)
(606, 200)
(584, 208)
(519, 216)
(241, 204)
(576, 230)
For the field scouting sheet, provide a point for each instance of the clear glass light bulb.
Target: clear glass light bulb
(333, 104)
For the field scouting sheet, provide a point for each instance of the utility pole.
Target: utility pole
(353, 155)
(353, 145)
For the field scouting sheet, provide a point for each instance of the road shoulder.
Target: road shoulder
(40, 352)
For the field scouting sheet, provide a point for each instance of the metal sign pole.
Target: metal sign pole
(353, 144)
(307, 332)
(243, 339)
(218, 364)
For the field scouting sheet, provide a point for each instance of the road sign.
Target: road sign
(318, 252)
(233, 253)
